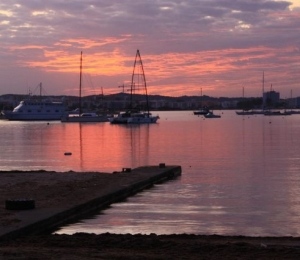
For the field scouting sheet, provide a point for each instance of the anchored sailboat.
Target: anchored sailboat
(202, 110)
(136, 115)
(83, 117)
(244, 112)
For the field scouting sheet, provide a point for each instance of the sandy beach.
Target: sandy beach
(59, 190)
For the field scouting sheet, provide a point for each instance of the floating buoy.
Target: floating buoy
(68, 153)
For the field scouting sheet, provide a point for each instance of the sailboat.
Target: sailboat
(292, 111)
(244, 112)
(134, 115)
(262, 110)
(83, 117)
(202, 110)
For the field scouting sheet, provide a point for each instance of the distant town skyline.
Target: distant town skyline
(218, 46)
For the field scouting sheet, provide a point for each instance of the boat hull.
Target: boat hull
(82, 119)
(277, 113)
(244, 113)
(142, 120)
(31, 117)
(211, 115)
(115, 120)
(31, 110)
(133, 118)
(201, 112)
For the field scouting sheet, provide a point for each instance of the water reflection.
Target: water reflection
(240, 178)
(240, 174)
(138, 136)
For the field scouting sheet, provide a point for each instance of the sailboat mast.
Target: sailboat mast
(263, 91)
(132, 82)
(80, 79)
(138, 62)
(201, 105)
(40, 92)
(144, 79)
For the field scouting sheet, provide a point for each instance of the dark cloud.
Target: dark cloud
(30, 30)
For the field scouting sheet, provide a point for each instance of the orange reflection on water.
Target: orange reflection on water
(105, 146)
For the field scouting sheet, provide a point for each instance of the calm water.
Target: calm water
(241, 175)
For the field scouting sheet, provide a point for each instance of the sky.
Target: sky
(193, 47)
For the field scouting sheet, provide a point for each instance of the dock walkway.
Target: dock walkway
(60, 198)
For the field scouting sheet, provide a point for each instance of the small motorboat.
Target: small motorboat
(211, 115)
(202, 111)
(244, 113)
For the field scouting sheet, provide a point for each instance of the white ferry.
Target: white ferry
(36, 110)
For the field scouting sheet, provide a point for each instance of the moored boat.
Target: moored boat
(134, 115)
(277, 113)
(211, 115)
(79, 116)
(120, 118)
(142, 118)
(294, 112)
(244, 112)
(202, 111)
(33, 110)
(36, 108)
(84, 117)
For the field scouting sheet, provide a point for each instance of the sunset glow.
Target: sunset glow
(219, 46)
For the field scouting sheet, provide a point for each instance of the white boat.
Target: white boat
(277, 113)
(244, 112)
(36, 108)
(133, 115)
(79, 116)
(142, 118)
(202, 111)
(84, 117)
(211, 115)
(120, 118)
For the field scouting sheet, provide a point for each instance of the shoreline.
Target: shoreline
(111, 246)
(40, 201)
(56, 191)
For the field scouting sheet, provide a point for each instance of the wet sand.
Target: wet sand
(108, 246)
(59, 190)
